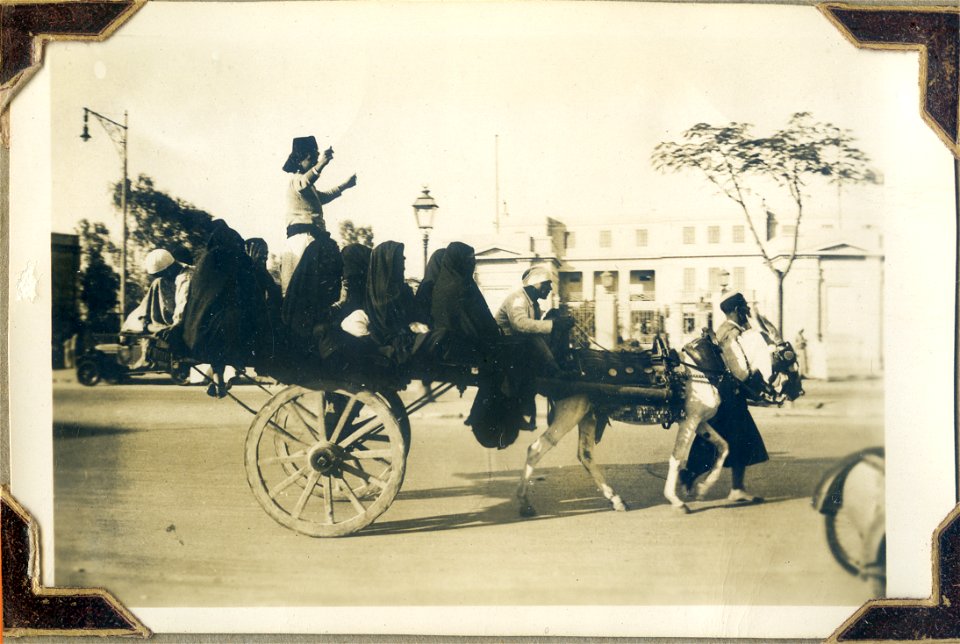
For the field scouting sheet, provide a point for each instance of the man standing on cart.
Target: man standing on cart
(305, 203)
(733, 420)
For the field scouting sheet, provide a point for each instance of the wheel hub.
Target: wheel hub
(325, 457)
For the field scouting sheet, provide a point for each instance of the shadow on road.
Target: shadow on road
(561, 492)
(72, 430)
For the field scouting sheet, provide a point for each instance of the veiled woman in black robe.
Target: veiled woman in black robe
(424, 296)
(458, 309)
(390, 304)
(356, 265)
(227, 319)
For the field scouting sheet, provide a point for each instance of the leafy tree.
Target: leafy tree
(351, 234)
(736, 162)
(158, 220)
(99, 282)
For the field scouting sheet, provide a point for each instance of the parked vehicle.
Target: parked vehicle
(131, 355)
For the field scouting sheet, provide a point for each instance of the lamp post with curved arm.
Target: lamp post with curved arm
(118, 134)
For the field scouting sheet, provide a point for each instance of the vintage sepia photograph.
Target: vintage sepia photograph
(599, 318)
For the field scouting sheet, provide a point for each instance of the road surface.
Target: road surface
(152, 502)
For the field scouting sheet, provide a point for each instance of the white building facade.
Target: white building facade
(667, 277)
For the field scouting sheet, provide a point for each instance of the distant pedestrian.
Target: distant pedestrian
(800, 346)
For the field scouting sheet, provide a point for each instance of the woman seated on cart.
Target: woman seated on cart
(459, 313)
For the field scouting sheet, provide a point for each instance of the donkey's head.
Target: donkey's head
(783, 378)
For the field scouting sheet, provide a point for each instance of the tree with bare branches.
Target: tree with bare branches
(739, 165)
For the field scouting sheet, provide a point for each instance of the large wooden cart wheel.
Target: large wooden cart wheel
(327, 463)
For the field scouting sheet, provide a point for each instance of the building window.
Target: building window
(713, 234)
(643, 286)
(644, 323)
(739, 278)
(605, 239)
(714, 278)
(788, 230)
(689, 322)
(641, 237)
(569, 240)
(738, 234)
(689, 280)
(689, 235)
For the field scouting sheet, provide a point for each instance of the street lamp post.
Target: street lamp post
(423, 210)
(118, 134)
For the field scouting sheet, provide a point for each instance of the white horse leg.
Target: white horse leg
(588, 442)
(567, 413)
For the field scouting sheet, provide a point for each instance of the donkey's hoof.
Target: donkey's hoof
(681, 509)
(702, 489)
(527, 511)
(618, 504)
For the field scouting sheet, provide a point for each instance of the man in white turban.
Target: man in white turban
(519, 315)
(166, 298)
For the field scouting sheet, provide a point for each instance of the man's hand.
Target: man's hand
(563, 324)
(349, 183)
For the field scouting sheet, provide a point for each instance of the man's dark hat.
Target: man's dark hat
(732, 303)
(302, 146)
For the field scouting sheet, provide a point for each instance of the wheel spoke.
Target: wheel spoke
(306, 494)
(365, 435)
(385, 454)
(285, 483)
(328, 499)
(287, 458)
(283, 432)
(354, 501)
(299, 410)
(367, 477)
(343, 418)
(322, 415)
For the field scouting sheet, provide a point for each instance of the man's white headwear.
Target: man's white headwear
(157, 260)
(536, 275)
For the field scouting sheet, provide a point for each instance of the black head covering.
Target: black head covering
(389, 300)
(460, 259)
(424, 297)
(223, 236)
(302, 146)
(731, 303)
(432, 270)
(356, 262)
(458, 306)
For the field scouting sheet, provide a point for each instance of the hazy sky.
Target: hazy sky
(414, 93)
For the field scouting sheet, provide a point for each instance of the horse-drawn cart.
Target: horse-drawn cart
(327, 457)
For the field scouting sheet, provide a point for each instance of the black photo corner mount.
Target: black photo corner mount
(31, 609)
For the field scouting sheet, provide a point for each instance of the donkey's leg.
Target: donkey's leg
(681, 448)
(588, 442)
(723, 449)
(702, 401)
(567, 413)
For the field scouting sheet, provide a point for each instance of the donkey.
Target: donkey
(777, 363)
